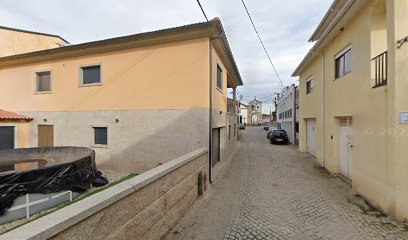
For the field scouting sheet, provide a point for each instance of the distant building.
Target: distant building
(255, 112)
(286, 112)
(266, 118)
(243, 113)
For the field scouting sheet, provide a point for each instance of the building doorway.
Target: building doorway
(345, 147)
(215, 152)
(311, 136)
(6, 137)
(45, 135)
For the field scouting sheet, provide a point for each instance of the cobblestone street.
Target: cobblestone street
(275, 192)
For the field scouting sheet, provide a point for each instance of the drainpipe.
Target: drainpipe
(323, 115)
(323, 111)
(210, 117)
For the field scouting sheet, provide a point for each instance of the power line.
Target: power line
(202, 10)
(263, 46)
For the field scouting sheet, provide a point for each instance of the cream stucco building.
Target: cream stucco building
(138, 100)
(354, 101)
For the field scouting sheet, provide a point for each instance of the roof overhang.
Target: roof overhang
(11, 116)
(32, 32)
(212, 29)
(329, 30)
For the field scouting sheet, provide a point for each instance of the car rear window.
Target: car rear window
(279, 132)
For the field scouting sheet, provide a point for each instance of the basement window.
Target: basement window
(343, 63)
(100, 136)
(43, 82)
(90, 75)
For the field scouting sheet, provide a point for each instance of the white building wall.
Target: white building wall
(286, 111)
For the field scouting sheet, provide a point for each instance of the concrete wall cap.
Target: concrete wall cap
(50, 225)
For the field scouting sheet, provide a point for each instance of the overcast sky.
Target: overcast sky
(285, 27)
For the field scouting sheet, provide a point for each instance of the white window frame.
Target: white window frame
(92, 136)
(36, 81)
(340, 54)
(81, 75)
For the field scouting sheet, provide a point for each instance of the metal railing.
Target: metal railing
(380, 69)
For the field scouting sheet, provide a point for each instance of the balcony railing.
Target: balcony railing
(380, 69)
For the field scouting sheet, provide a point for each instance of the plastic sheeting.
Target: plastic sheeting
(46, 170)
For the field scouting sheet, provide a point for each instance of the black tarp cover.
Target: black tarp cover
(59, 169)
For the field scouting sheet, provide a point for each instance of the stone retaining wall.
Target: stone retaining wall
(144, 207)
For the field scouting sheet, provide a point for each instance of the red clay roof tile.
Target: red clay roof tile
(5, 115)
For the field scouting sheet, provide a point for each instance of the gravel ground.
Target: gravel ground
(112, 176)
(276, 192)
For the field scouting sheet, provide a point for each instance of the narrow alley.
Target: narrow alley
(275, 192)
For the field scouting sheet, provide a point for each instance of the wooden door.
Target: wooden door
(45, 135)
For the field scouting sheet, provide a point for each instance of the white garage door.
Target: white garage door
(311, 136)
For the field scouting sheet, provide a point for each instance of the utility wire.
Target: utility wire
(263, 46)
(202, 10)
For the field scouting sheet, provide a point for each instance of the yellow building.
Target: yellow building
(354, 101)
(138, 100)
(17, 41)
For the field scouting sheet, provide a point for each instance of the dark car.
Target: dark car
(266, 126)
(241, 126)
(279, 136)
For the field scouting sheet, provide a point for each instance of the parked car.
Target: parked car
(279, 136)
(266, 126)
(241, 126)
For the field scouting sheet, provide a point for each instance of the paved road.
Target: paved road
(275, 192)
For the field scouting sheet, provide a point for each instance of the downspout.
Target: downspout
(294, 116)
(323, 114)
(323, 111)
(210, 117)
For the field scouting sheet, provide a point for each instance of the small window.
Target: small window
(309, 86)
(100, 135)
(219, 77)
(91, 75)
(235, 130)
(343, 64)
(43, 81)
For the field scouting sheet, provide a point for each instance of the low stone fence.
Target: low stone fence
(144, 207)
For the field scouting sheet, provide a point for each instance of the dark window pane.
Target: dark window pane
(343, 64)
(338, 67)
(219, 77)
(6, 138)
(309, 86)
(101, 135)
(91, 74)
(347, 62)
(44, 82)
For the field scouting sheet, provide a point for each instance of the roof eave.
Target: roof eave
(324, 36)
(314, 36)
(33, 32)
